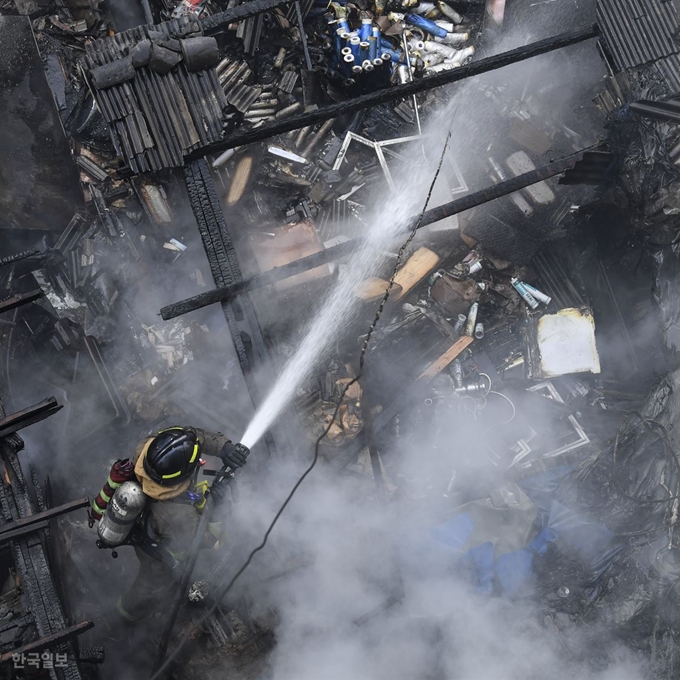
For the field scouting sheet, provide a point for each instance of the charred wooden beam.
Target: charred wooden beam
(19, 300)
(244, 137)
(226, 293)
(42, 516)
(23, 531)
(19, 256)
(242, 320)
(48, 641)
(444, 360)
(32, 414)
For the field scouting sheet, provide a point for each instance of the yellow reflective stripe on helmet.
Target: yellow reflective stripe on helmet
(174, 474)
(112, 484)
(194, 454)
(104, 496)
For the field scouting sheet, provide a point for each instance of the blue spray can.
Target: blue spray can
(426, 25)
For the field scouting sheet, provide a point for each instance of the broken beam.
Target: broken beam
(445, 359)
(48, 640)
(244, 137)
(10, 259)
(19, 300)
(44, 515)
(226, 293)
(30, 415)
(19, 533)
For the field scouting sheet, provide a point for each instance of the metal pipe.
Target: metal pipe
(263, 104)
(666, 111)
(460, 323)
(288, 111)
(226, 293)
(148, 14)
(397, 92)
(317, 137)
(258, 113)
(278, 62)
(472, 319)
(301, 136)
(223, 158)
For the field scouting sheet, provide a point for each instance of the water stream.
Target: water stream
(387, 220)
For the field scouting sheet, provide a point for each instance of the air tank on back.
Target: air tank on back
(125, 507)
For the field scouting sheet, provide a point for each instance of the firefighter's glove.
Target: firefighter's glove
(234, 455)
(218, 491)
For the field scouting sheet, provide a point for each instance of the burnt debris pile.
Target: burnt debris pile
(188, 186)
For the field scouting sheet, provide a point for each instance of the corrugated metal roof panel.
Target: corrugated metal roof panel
(669, 68)
(637, 32)
(155, 120)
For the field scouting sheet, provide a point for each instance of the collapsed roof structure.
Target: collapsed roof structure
(257, 175)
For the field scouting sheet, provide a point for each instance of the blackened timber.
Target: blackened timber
(303, 36)
(148, 14)
(241, 138)
(23, 531)
(460, 205)
(28, 416)
(259, 281)
(242, 321)
(30, 557)
(45, 515)
(19, 300)
(219, 22)
(19, 256)
(49, 640)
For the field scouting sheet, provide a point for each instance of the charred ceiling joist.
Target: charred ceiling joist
(230, 291)
(241, 318)
(241, 138)
(43, 623)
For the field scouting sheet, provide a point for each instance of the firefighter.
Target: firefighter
(166, 465)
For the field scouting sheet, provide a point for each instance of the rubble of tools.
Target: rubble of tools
(325, 172)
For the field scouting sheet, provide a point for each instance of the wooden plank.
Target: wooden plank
(445, 359)
(22, 531)
(28, 416)
(48, 641)
(19, 300)
(44, 515)
(417, 267)
(374, 289)
(290, 242)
